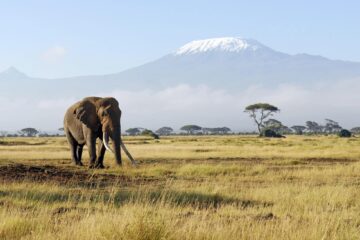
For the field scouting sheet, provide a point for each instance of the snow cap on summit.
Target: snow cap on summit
(226, 44)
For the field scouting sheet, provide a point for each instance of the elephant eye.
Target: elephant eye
(104, 113)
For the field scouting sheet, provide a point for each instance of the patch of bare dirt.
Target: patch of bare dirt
(47, 173)
(20, 143)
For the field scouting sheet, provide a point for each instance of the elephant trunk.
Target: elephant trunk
(117, 143)
(116, 137)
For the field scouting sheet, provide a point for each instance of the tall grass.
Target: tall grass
(189, 188)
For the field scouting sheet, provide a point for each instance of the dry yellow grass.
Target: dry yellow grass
(233, 187)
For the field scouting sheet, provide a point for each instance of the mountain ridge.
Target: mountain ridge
(227, 63)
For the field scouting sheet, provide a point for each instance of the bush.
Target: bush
(344, 133)
(270, 133)
(150, 133)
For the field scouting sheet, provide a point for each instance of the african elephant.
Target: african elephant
(92, 118)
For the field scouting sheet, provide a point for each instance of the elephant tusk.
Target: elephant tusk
(106, 142)
(127, 153)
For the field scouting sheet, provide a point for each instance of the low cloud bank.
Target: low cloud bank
(202, 105)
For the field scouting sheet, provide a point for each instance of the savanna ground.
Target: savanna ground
(233, 187)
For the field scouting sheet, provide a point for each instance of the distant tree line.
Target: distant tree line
(184, 130)
(31, 132)
(260, 113)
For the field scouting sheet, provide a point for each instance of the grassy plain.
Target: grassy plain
(230, 187)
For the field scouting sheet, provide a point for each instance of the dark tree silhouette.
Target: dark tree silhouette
(164, 131)
(314, 127)
(218, 130)
(331, 126)
(133, 131)
(276, 126)
(259, 112)
(190, 129)
(28, 132)
(150, 133)
(299, 130)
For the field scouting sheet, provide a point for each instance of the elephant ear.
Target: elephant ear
(85, 112)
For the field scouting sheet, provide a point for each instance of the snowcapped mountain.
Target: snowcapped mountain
(226, 44)
(170, 90)
(235, 63)
(227, 63)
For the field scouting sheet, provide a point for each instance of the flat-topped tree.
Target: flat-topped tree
(314, 127)
(299, 130)
(259, 112)
(276, 126)
(190, 129)
(332, 126)
(150, 133)
(133, 131)
(217, 130)
(164, 131)
(29, 132)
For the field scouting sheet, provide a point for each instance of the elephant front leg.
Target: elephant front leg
(79, 151)
(91, 143)
(101, 153)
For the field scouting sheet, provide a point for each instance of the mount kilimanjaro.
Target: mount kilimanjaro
(205, 82)
(227, 63)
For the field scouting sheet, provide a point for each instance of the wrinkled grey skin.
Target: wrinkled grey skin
(90, 119)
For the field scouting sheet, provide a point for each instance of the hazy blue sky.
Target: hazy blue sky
(65, 38)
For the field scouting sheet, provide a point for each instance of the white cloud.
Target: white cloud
(51, 104)
(202, 105)
(206, 106)
(54, 54)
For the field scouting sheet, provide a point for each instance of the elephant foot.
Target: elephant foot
(97, 166)
(79, 164)
(100, 165)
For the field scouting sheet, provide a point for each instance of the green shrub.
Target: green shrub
(344, 133)
(270, 133)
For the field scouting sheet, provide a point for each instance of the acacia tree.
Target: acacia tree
(331, 126)
(217, 130)
(133, 131)
(190, 129)
(314, 127)
(147, 132)
(298, 129)
(259, 112)
(276, 126)
(29, 132)
(164, 131)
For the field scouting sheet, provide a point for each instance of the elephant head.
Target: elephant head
(102, 115)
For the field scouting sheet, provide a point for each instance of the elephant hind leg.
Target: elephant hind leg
(73, 147)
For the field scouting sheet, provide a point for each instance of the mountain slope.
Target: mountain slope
(227, 63)
(234, 62)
